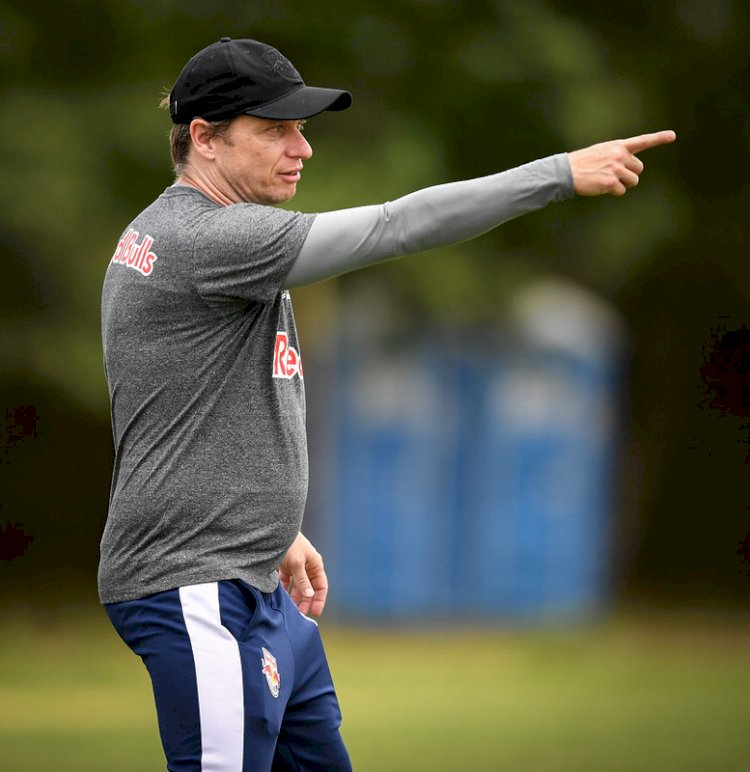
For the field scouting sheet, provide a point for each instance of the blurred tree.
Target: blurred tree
(688, 474)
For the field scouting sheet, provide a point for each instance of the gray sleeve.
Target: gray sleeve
(347, 239)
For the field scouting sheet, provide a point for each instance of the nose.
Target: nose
(300, 147)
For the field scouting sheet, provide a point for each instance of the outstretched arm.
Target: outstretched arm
(347, 239)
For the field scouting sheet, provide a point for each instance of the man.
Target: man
(204, 570)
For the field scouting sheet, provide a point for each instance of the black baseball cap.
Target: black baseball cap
(235, 77)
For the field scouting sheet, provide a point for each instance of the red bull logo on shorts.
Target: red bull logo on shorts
(271, 671)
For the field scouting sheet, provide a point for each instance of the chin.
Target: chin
(274, 196)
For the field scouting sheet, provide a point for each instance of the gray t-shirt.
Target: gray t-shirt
(207, 399)
(205, 375)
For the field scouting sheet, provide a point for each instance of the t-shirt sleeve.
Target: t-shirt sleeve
(243, 252)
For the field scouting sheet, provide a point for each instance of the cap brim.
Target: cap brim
(303, 102)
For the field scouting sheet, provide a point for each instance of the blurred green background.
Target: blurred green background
(443, 90)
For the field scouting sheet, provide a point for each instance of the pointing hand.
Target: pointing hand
(613, 167)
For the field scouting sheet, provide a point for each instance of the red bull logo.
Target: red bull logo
(271, 671)
(286, 359)
(134, 255)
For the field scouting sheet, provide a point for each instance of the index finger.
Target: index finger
(317, 603)
(645, 141)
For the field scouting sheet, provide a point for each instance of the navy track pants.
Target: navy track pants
(240, 679)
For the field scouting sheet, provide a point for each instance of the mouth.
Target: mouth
(293, 175)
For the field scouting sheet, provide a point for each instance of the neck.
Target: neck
(200, 182)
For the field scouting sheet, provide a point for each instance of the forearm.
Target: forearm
(347, 239)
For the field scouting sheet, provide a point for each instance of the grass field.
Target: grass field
(637, 692)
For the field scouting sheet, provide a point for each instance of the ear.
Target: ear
(203, 138)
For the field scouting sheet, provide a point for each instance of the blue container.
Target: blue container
(469, 483)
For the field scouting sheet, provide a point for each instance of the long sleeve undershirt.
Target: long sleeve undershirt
(347, 239)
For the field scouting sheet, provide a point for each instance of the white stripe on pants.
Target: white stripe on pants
(219, 676)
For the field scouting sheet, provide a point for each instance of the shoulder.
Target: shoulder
(254, 222)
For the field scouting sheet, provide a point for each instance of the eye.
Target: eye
(301, 125)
